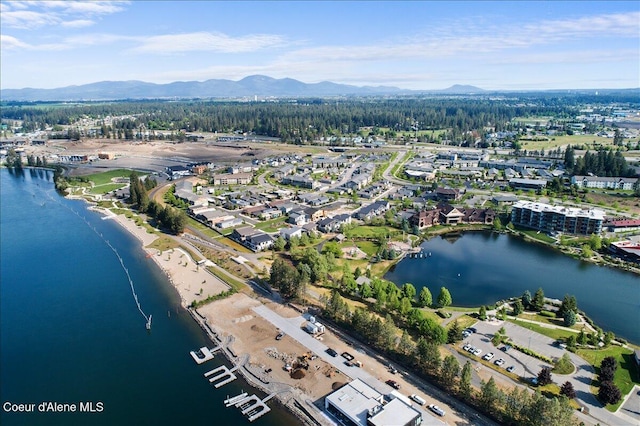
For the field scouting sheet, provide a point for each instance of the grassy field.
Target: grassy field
(192, 223)
(536, 235)
(547, 320)
(105, 177)
(273, 225)
(626, 375)
(106, 188)
(366, 231)
(589, 142)
(553, 333)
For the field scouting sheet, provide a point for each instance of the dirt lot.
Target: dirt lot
(256, 336)
(157, 155)
(233, 316)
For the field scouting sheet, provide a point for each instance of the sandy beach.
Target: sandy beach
(192, 281)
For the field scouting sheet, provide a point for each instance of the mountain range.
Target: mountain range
(253, 86)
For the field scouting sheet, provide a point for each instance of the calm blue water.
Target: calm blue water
(71, 332)
(495, 266)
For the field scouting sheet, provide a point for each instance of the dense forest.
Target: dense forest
(302, 121)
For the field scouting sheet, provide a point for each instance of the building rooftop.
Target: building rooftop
(567, 211)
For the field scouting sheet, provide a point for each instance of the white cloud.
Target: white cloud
(206, 41)
(11, 43)
(70, 14)
(26, 20)
(78, 23)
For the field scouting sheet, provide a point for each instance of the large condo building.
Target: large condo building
(547, 218)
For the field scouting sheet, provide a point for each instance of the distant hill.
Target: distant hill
(255, 85)
(461, 89)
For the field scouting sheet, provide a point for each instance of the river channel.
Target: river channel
(479, 268)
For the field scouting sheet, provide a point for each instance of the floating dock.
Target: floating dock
(203, 354)
(235, 399)
(252, 406)
(221, 373)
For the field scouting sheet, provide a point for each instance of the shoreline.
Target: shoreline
(177, 277)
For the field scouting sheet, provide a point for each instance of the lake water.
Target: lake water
(71, 331)
(494, 266)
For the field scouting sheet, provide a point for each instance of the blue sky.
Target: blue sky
(412, 45)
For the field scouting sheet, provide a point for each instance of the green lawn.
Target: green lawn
(369, 247)
(191, 222)
(536, 235)
(105, 177)
(626, 375)
(273, 225)
(106, 188)
(367, 231)
(549, 332)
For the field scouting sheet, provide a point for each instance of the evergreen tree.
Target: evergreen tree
(538, 300)
(465, 381)
(455, 333)
(425, 299)
(449, 371)
(567, 390)
(444, 298)
(490, 396)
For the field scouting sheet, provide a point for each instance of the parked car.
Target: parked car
(331, 352)
(439, 411)
(393, 384)
(510, 369)
(499, 362)
(347, 356)
(488, 357)
(505, 348)
(477, 352)
(417, 399)
(280, 336)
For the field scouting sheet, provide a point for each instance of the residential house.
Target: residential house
(447, 194)
(299, 181)
(288, 233)
(450, 215)
(425, 218)
(297, 217)
(252, 238)
(333, 224)
(372, 210)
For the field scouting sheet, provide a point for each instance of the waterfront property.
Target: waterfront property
(252, 238)
(550, 219)
(357, 403)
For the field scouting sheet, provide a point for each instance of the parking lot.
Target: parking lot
(522, 365)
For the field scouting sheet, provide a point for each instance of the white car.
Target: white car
(439, 411)
(477, 352)
(488, 357)
(499, 362)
